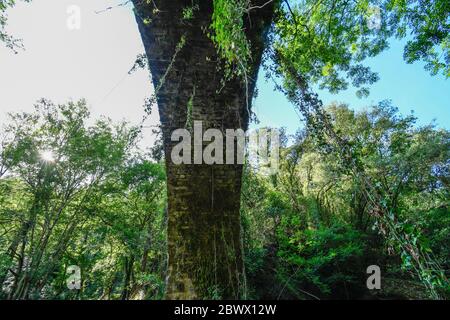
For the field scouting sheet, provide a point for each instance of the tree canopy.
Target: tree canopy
(353, 189)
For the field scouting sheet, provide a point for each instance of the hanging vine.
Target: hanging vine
(415, 255)
(229, 37)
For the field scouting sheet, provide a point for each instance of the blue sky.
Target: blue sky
(92, 63)
(410, 87)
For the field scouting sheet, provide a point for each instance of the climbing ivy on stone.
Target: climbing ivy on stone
(229, 36)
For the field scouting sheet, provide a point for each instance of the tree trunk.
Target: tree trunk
(128, 272)
(204, 241)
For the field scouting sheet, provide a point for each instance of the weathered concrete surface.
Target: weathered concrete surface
(204, 241)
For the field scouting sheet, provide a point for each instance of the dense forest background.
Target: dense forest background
(84, 195)
(79, 200)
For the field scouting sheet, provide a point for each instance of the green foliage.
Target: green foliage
(188, 12)
(328, 41)
(74, 194)
(229, 36)
(429, 25)
(7, 39)
(327, 262)
(310, 231)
